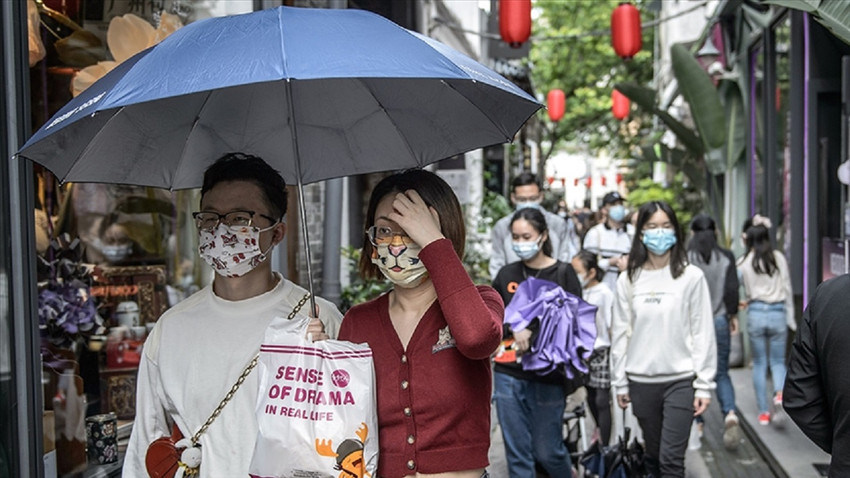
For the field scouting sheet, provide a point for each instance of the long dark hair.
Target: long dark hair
(639, 255)
(704, 240)
(538, 221)
(758, 241)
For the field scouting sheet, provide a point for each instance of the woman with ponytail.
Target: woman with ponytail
(770, 313)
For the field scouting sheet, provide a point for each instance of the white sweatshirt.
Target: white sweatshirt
(602, 297)
(770, 289)
(663, 330)
(192, 358)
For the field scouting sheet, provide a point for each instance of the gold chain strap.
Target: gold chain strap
(197, 436)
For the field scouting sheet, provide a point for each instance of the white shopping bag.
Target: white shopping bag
(316, 406)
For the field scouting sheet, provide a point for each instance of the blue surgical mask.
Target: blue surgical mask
(523, 205)
(525, 250)
(617, 213)
(659, 241)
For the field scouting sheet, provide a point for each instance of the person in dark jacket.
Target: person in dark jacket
(817, 385)
(718, 266)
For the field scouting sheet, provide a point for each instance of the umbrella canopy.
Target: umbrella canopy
(329, 93)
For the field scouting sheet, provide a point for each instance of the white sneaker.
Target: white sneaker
(731, 432)
(778, 417)
(694, 442)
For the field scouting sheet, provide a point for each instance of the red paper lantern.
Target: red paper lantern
(619, 178)
(603, 180)
(556, 102)
(515, 21)
(620, 104)
(625, 31)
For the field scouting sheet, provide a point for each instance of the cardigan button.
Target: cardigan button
(411, 464)
(411, 439)
(404, 359)
(404, 384)
(407, 411)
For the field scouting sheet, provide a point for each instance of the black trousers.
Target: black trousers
(665, 412)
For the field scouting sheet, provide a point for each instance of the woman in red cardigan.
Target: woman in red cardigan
(431, 335)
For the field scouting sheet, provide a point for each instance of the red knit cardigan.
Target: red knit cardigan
(434, 397)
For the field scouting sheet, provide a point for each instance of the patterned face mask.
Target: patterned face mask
(232, 251)
(400, 264)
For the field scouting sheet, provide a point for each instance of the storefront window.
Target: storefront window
(112, 258)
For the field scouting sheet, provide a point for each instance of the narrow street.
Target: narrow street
(764, 451)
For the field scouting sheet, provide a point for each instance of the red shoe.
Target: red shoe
(764, 418)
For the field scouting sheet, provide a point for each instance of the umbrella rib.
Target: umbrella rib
(508, 138)
(182, 155)
(92, 141)
(384, 109)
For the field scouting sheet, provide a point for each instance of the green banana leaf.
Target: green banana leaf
(707, 111)
(833, 14)
(645, 98)
(736, 135)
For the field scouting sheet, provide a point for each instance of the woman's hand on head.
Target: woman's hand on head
(420, 221)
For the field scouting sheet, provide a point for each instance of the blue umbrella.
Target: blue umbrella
(318, 93)
(330, 92)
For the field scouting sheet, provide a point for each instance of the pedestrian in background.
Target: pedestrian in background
(817, 387)
(526, 192)
(598, 384)
(431, 335)
(718, 266)
(530, 406)
(770, 313)
(663, 349)
(610, 240)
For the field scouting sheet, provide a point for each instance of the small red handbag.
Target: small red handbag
(162, 455)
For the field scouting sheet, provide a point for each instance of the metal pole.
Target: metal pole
(845, 153)
(301, 205)
(17, 184)
(331, 245)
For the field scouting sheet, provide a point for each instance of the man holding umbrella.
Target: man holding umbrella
(201, 346)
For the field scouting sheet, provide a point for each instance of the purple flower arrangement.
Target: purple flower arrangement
(66, 309)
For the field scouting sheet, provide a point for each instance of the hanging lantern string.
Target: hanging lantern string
(594, 33)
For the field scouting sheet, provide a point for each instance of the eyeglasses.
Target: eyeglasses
(383, 235)
(208, 220)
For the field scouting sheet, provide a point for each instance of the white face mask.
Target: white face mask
(232, 251)
(405, 269)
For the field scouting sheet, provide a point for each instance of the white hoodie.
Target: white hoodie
(663, 330)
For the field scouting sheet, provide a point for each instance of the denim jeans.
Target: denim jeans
(767, 329)
(530, 414)
(725, 391)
